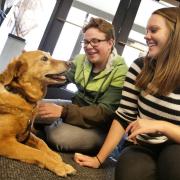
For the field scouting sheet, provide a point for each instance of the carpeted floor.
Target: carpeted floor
(16, 170)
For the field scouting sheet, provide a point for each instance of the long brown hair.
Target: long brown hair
(162, 74)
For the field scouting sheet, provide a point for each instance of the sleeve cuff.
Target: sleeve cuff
(64, 112)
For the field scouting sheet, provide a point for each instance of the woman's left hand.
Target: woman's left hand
(141, 126)
(87, 161)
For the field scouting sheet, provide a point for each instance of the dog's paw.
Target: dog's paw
(64, 169)
(60, 171)
(69, 169)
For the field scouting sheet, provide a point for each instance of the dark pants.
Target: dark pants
(138, 162)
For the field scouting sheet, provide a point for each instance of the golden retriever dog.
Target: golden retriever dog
(22, 85)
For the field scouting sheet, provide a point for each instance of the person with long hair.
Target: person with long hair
(148, 117)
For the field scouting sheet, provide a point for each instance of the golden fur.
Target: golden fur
(22, 84)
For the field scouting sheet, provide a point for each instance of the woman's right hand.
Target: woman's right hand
(88, 161)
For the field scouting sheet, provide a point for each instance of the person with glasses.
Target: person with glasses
(149, 110)
(99, 76)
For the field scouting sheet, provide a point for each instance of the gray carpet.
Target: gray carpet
(12, 169)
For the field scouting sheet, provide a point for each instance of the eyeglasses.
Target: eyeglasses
(92, 42)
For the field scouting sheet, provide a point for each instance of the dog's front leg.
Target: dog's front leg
(38, 143)
(15, 150)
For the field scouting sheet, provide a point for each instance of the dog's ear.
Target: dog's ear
(14, 69)
(21, 68)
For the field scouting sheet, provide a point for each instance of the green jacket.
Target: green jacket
(98, 95)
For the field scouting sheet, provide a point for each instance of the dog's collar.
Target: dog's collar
(23, 137)
(19, 91)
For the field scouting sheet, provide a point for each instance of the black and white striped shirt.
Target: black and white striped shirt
(134, 104)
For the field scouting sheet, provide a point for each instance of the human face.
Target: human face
(157, 34)
(98, 54)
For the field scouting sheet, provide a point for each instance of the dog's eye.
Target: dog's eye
(44, 58)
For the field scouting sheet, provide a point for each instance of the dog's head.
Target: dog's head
(32, 71)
